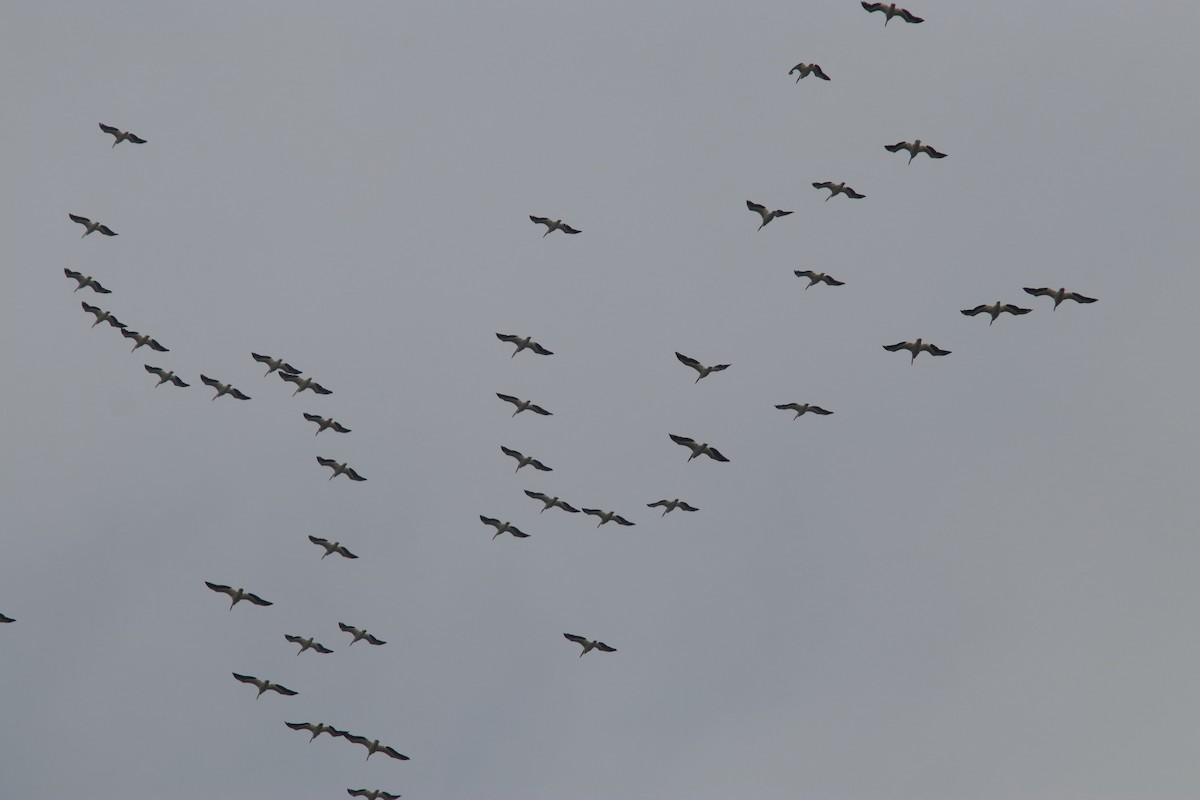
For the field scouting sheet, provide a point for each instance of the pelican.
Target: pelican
(274, 364)
(102, 316)
(891, 10)
(92, 227)
(808, 69)
(803, 408)
(552, 225)
(4, 619)
(836, 189)
(143, 339)
(589, 644)
(315, 730)
(373, 746)
(238, 595)
(264, 685)
(326, 422)
(522, 343)
(503, 527)
(816, 277)
(85, 280)
(916, 347)
(1059, 295)
(374, 794)
(120, 135)
(698, 449)
(359, 633)
(523, 405)
(696, 365)
(339, 469)
(914, 148)
(551, 502)
(670, 505)
(996, 310)
(223, 388)
(524, 460)
(306, 644)
(331, 547)
(606, 516)
(164, 376)
(767, 216)
(303, 383)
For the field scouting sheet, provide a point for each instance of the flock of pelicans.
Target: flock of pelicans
(292, 375)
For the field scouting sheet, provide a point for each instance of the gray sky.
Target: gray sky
(975, 580)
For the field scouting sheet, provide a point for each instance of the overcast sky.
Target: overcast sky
(976, 580)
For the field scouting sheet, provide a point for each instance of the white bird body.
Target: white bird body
(264, 685)
(837, 188)
(996, 310)
(143, 340)
(551, 502)
(85, 280)
(914, 148)
(697, 448)
(341, 468)
(523, 405)
(816, 277)
(916, 348)
(120, 135)
(331, 547)
(523, 343)
(165, 376)
(552, 225)
(589, 644)
(1059, 295)
(102, 316)
(766, 215)
(503, 527)
(223, 388)
(606, 517)
(238, 594)
(892, 10)
(670, 505)
(91, 227)
(306, 644)
(808, 69)
(359, 633)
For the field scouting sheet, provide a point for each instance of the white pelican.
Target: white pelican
(373, 794)
(4, 619)
(102, 316)
(996, 310)
(143, 339)
(315, 730)
(325, 422)
(551, 502)
(916, 347)
(670, 505)
(696, 365)
(523, 405)
(339, 469)
(359, 633)
(589, 644)
(264, 685)
(274, 364)
(523, 342)
(698, 449)
(892, 10)
(552, 225)
(607, 516)
(766, 215)
(120, 135)
(524, 460)
(85, 280)
(223, 388)
(331, 547)
(914, 148)
(808, 69)
(238, 595)
(816, 277)
(503, 527)
(305, 644)
(92, 227)
(303, 383)
(1059, 295)
(803, 408)
(836, 189)
(373, 746)
(164, 376)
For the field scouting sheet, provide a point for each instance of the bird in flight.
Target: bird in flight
(143, 340)
(606, 517)
(995, 310)
(766, 215)
(914, 148)
(696, 365)
(670, 505)
(803, 408)
(4, 619)
(165, 376)
(302, 383)
(120, 135)
(325, 422)
(274, 364)
(359, 633)
(1059, 295)
(524, 460)
(339, 469)
(238, 595)
(836, 189)
(373, 794)
(331, 547)
(91, 227)
(916, 347)
(552, 225)
(522, 343)
(85, 280)
(503, 527)
(551, 502)
(808, 69)
(316, 730)
(306, 644)
(264, 685)
(816, 277)
(698, 449)
(589, 644)
(102, 316)
(523, 405)
(373, 746)
(892, 10)
(223, 388)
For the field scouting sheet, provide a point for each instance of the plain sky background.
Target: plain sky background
(975, 581)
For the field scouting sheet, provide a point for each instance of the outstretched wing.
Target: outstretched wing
(537, 495)
(820, 73)
(621, 520)
(1042, 292)
(851, 193)
(540, 220)
(508, 451)
(819, 410)
(897, 346)
(508, 398)
(659, 503)
(683, 440)
(394, 753)
(605, 648)
(340, 428)
(687, 507)
(374, 640)
(317, 540)
(595, 512)
(805, 273)
(79, 219)
(320, 648)
(576, 639)
(539, 410)
(908, 16)
(238, 394)
(1015, 310)
(319, 389)
(970, 312)
(258, 601)
(289, 377)
(354, 476)
(506, 337)
(540, 466)
(716, 455)
(495, 523)
(565, 228)
(313, 417)
(823, 185)
(937, 351)
(541, 351)
(217, 587)
(833, 281)
(135, 139)
(107, 231)
(929, 151)
(209, 381)
(568, 507)
(897, 147)
(275, 687)
(1078, 298)
(110, 129)
(326, 462)
(245, 678)
(689, 361)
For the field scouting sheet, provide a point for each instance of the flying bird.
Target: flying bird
(670, 505)
(916, 347)
(503, 527)
(523, 405)
(589, 644)
(996, 310)
(803, 408)
(696, 365)
(522, 343)
(359, 633)
(552, 225)
(164, 376)
(524, 460)
(766, 215)
(223, 388)
(816, 277)
(551, 502)
(373, 747)
(85, 280)
(836, 189)
(374, 794)
(606, 517)
(325, 422)
(339, 469)
(102, 316)
(698, 449)
(808, 69)
(4, 619)
(892, 10)
(302, 383)
(274, 364)
(914, 148)
(316, 730)
(120, 135)
(92, 227)
(142, 340)
(306, 644)
(238, 595)
(1059, 295)
(264, 685)
(331, 547)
